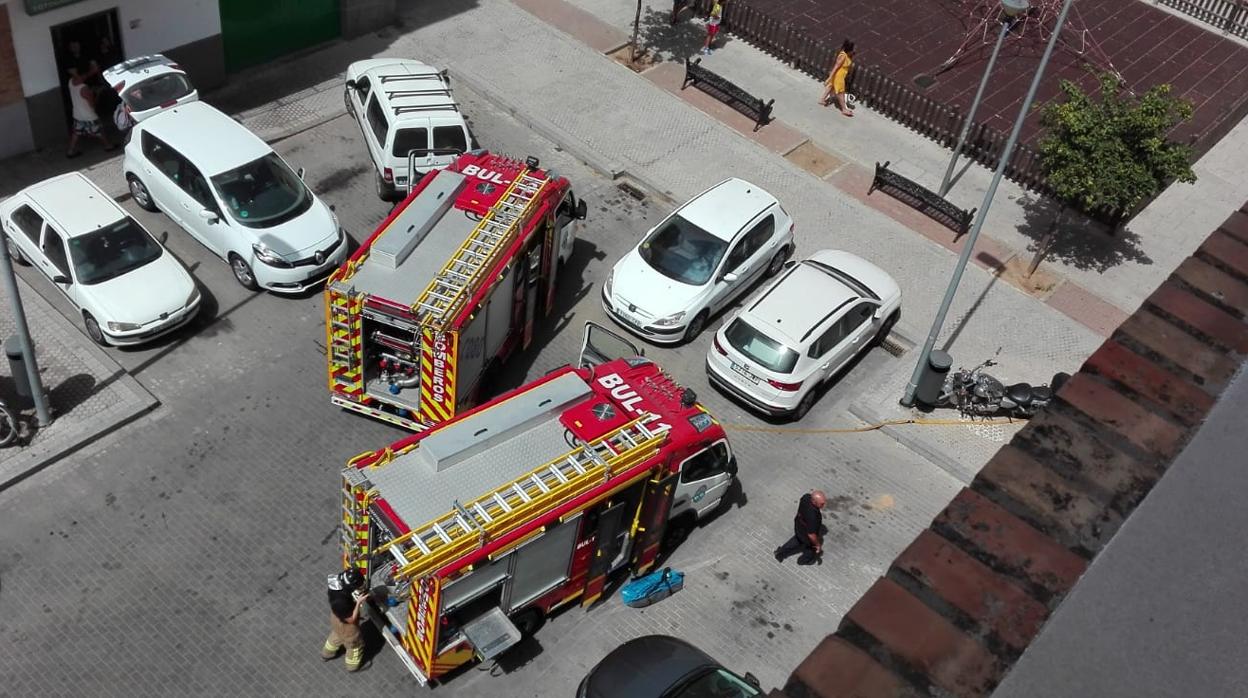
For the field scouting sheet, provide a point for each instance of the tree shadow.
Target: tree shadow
(1082, 243)
(674, 42)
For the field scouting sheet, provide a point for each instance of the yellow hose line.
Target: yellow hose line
(869, 427)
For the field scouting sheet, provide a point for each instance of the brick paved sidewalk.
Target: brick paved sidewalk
(88, 393)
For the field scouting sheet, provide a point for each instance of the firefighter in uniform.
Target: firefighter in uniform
(346, 597)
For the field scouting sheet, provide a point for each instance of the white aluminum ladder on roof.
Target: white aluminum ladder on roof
(468, 526)
(498, 229)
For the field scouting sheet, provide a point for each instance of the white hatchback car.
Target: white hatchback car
(801, 330)
(149, 84)
(128, 287)
(692, 264)
(229, 190)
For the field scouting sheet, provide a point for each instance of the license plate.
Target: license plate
(744, 372)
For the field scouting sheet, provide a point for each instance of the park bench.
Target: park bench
(728, 92)
(921, 198)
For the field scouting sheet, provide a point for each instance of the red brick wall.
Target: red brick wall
(10, 78)
(957, 608)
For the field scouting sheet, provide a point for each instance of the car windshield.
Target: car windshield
(162, 89)
(263, 193)
(718, 683)
(112, 251)
(760, 348)
(682, 251)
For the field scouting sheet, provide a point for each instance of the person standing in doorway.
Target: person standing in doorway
(807, 531)
(712, 26)
(837, 76)
(86, 121)
(346, 597)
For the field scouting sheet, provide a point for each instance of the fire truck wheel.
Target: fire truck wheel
(696, 325)
(243, 273)
(677, 532)
(529, 621)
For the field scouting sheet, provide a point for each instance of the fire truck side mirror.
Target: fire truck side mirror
(582, 209)
(732, 466)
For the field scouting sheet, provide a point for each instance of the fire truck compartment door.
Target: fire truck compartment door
(492, 633)
(542, 563)
(655, 509)
(609, 540)
(601, 345)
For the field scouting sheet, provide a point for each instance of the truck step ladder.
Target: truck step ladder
(466, 527)
(494, 233)
(342, 325)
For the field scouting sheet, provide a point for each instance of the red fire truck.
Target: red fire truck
(448, 286)
(470, 533)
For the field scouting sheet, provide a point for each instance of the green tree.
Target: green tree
(1111, 150)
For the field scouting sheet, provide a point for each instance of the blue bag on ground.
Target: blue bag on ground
(656, 586)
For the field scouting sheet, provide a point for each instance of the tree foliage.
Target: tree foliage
(1113, 150)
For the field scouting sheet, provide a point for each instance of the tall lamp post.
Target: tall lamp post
(908, 398)
(1010, 9)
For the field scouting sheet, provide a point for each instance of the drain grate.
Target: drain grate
(894, 345)
(631, 191)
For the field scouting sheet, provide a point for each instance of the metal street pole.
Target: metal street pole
(1006, 23)
(908, 398)
(23, 336)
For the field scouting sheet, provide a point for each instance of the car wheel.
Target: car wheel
(887, 327)
(14, 253)
(808, 401)
(346, 99)
(777, 262)
(93, 330)
(141, 195)
(529, 621)
(243, 273)
(696, 325)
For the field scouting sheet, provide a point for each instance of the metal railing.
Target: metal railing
(1230, 16)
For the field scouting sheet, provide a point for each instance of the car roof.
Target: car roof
(140, 68)
(212, 141)
(408, 89)
(72, 203)
(646, 666)
(837, 278)
(726, 207)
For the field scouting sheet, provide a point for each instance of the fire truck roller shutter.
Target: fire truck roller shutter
(498, 313)
(472, 358)
(473, 584)
(542, 563)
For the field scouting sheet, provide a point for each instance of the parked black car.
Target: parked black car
(659, 666)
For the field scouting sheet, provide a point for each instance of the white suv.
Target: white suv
(801, 330)
(408, 118)
(229, 190)
(693, 263)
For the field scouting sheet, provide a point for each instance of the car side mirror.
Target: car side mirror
(61, 279)
(729, 278)
(300, 172)
(879, 312)
(164, 236)
(752, 680)
(582, 210)
(209, 215)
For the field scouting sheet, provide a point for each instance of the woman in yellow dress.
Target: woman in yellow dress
(836, 77)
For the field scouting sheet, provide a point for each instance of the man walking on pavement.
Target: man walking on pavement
(807, 527)
(345, 599)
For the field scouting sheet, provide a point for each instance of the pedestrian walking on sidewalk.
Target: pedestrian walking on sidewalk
(712, 26)
(807, 531)
(835, 83)
(86, 121)
(346, 597)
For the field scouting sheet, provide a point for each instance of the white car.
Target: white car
(229, 190)
(128, 287)
(150, 84)
(409, 120)
(801, 330)
(691, 265)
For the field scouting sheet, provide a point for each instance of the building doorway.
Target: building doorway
(97, 38)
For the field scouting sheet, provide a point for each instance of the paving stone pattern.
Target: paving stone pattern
(908, 38)
(965, 599)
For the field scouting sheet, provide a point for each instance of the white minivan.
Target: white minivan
(409, 120)
(229, 190)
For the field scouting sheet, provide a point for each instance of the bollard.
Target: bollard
(17, 367)
(928, 390)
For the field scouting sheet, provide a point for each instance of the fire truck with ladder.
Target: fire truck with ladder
(447, 287)
(471, 532)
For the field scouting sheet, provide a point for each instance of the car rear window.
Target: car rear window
(162, 89)
(408, 139)
(760, 348)
(449, 137)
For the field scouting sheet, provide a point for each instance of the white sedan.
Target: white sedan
(692, 264)
(127, 286)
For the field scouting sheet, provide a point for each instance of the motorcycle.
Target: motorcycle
(975, 392)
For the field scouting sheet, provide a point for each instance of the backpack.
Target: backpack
(121, 118)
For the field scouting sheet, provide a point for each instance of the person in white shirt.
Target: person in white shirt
(86, 121)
